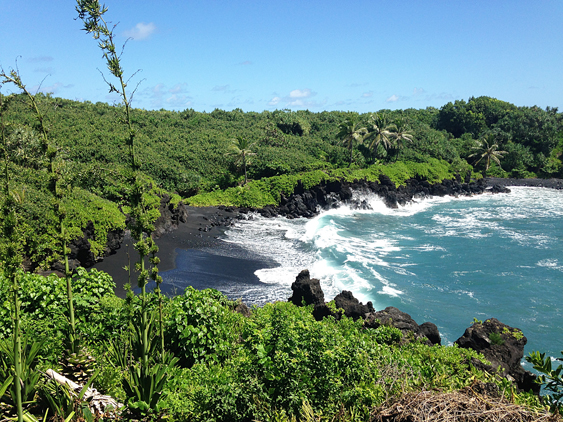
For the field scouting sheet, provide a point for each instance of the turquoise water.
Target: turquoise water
(444, 260)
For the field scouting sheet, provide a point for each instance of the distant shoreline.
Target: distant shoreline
(536, 183)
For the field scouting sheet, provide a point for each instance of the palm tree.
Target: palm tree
(241, 149)
(380, 132)
(350, 133)
(488, 152)
(401, 133)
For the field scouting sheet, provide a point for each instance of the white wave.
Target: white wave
(550, 263)
(390, 291)
(429, 248)
(362, 250)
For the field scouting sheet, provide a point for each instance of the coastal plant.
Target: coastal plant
(496, 338)
(551, 379)
(146, 375)
(517, 334)
(351, 133)
(381, 132)
(59, 188)
(11, 258)
(487, 149)
(20, 367)
(201, 327)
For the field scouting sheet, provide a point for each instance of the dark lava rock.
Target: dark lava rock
(404, 322)
(170, 216)
(307, 289)
(430, 331)
(80, 253)
(501, 345)
(498, 189)
(352, 307)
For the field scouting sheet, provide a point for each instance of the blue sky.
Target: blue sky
(318, 55)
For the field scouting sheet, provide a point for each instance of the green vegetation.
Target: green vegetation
(241, 150)
(69, 165)
(551, 379)
(268, 191)
(496, 338)
(240, 368)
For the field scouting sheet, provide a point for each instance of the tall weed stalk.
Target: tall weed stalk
(146, 377)
(11, 259)
(58, 186)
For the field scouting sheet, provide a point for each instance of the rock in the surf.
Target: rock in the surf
(501, 345)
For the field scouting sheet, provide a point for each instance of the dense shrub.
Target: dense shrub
(200, 326)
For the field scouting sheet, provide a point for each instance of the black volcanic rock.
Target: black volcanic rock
(404, 322)
(170, 216)
(352, 307)
(501, 345)
(327, 195)
(498, 189)
(307, 290)
(80, 252)
(430, 331)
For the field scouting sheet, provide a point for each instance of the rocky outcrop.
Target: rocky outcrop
(327, 195)
(308, 291)
(498, 189)
(81, 254)
(170, 216)
(404, 322)
(353, 308)
(501, 345)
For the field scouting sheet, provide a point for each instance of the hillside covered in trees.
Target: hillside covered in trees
(189, 152)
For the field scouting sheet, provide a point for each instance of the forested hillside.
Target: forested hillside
(186, 152)
(190, 152)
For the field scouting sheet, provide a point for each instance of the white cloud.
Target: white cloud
(298, 98)
(141, 31)
(178, 101)
(393, 98)
(274, 101)
(40, 59)
(367, 94)
(43, 70)
(418, 91)
(300, 93)
(53, 89)
(223, 88)
(161, 96)
(178, 88)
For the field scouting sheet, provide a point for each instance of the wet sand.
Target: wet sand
(194, 254)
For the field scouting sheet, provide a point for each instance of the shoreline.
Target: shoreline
(200, 242)
(532, 183)
(211, 262)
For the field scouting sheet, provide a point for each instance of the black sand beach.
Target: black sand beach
(206, 261)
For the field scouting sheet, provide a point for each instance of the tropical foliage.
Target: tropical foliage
(68, 165)
(232, 367)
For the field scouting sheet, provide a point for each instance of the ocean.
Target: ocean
(444, 260)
